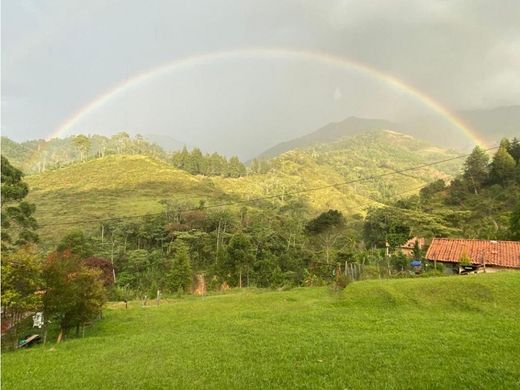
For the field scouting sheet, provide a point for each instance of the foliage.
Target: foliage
(74, 292)
(469, 207)
(18, 222)
(180, 275)
(239, 259)
(386, 225)
(197, 163)
(325, 221)
(21, 284)
(476, 169)
(503, 166)
(77, 243)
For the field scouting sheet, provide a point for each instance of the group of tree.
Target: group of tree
(479, 203)
(197, 163)
(41, 155)
(65, 284)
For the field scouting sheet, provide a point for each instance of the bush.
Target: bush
(342, 281)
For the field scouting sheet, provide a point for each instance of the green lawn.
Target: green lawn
(449, 332)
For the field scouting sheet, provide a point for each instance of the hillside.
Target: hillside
(329, 133)
(134, 185)
(374, 334)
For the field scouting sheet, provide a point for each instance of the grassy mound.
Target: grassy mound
(450, 332)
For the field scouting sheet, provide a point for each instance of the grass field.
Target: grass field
(448, 332)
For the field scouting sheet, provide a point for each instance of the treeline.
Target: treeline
(478, 203)
(197, 163)
(40, 155)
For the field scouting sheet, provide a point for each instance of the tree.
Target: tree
(239, 257)
(514, 149)
(82, 143)
(502, 167)
(21, 284)
(74, 292)
(433, 188)
(476, 168)
(18, 223)
(515, 223)
(103, 265)
(236, 168)
(180, 273)
(326, 229)
(77, 243)
(386, 225)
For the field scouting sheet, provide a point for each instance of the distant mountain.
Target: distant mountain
(329, 133)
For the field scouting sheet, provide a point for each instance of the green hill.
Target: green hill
(443, 333)
(330, 133)
(116, 186)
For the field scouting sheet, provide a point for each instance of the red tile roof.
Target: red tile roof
(498, 253)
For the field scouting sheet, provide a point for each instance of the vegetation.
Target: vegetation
(120, 186)
(18, 223)
(479, 203)
(444, 333)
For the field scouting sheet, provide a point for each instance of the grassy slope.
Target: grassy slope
(133, 185)
(451, 332)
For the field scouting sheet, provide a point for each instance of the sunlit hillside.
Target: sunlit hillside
(114, 186)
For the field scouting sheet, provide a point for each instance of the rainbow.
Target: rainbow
(282, 53)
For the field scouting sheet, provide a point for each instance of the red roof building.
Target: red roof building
(502, 254)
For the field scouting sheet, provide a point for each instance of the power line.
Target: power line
(245, 201)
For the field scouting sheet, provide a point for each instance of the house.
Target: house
(464, 255)
(407, 247)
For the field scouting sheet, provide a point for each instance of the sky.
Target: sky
(60, 56)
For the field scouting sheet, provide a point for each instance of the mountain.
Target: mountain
(490, 124)
(329, 133)
(81, 194)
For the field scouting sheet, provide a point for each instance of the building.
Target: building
(408, 246)
(463, 255)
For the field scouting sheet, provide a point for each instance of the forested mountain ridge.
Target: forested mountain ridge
(123, 185)
(330, 133)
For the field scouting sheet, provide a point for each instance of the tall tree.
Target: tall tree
(502, 167)
(236, 168)
(240, 257)
(326, 229)
(180, 275)
(83, 144)
(18, 223)
(476, 168)
(74, 292)
(514, 149)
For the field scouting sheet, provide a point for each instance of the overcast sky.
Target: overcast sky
(58, 56)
